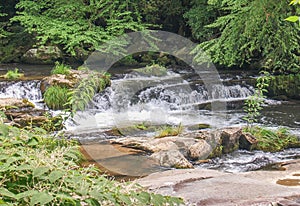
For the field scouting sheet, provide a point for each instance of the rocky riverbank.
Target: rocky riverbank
(211, 187)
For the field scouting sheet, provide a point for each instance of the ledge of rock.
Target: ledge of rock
(21, 113)
(9, 103)
(211, 187)
(178, 151)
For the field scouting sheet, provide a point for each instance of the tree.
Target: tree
(249, 31)
(77, 26)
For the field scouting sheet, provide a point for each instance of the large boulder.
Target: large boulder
(42, 55)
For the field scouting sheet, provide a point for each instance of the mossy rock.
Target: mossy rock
(153, 70)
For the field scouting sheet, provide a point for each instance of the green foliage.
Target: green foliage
(13, 74)
(200, 15)
(56, 97)
(60, 68)
(273, 141)
(294, 18)
(169, 131)
(78, 26)
(247, 32)
(80, 96)
(37, 169)
(253, 105)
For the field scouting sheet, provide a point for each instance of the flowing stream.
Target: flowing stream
(174, 99)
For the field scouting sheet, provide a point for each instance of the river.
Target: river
(177, 98)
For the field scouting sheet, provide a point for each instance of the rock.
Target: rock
(56, 79)
(42, 55)
(157, 144)
(10, 103)
(247, 141)
(199, 151)
(171, 158)
(211, 187)
(230, 139)
(153, 70)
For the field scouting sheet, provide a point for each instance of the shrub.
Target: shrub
(37, 169)
(56, 97)
(60, 68)
(273, 140)
(13, 74)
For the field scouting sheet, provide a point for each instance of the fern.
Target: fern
(77, 25)
(247, 32)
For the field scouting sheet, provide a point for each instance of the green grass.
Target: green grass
(56, 97)
(169, 131)
(13, 74)
(60, 68)
(273, 140)
(37, 169)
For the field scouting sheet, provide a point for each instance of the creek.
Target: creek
(180, 97)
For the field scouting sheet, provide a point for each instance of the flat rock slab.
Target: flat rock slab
(211, 187)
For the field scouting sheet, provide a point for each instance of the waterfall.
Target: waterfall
(158, 100)
(22, 89)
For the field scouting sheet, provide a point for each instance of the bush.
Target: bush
(13, 74)
(273, 141)
(60, 68)
(37, 169)
(56, 97)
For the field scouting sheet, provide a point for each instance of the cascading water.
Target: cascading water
(157, 100)
(24, 90)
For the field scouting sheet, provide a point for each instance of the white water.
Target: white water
(157, 100)
(24, 90)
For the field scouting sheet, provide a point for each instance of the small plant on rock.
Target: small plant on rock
(170, 131)
(56, 97)
(60, 68)
(13, 74)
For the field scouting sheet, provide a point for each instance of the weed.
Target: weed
(56, 97)
(60, 68)
(272, 140)
(170, 131)
(13, 74)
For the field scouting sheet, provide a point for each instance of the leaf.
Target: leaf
(26, 194)
(23, 167)
(33, 141)
(292, 18)
(6, 193)
(41, 197)
(55, 175)
(37, 172)
(65, 197)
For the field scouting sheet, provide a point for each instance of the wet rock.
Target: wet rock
(171, 158)
(230, 139)
(62, 80)
(42, 55)
(153, 70)
(247, 141)
(13, 103)
(199, 151)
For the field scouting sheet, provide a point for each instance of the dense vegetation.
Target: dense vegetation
(38, 169)
(235, 33)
